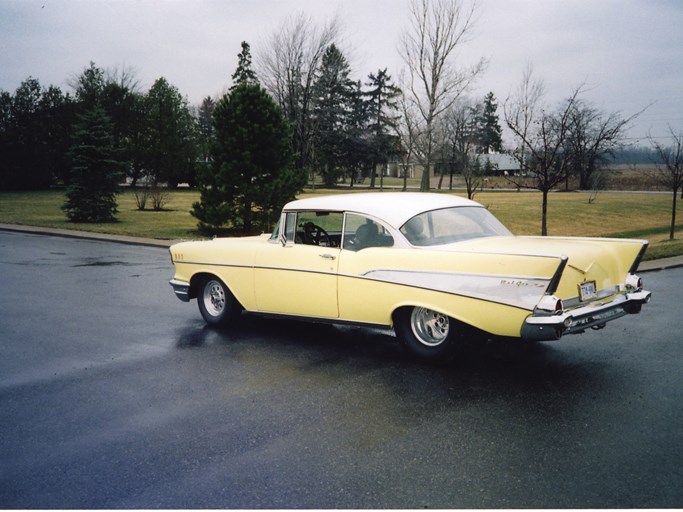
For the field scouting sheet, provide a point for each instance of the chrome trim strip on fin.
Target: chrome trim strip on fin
(639, 258)
(555, 280)
(521, 292)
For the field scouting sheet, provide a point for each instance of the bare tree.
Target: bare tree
(461, 139)
(593, 136)
(429, 48)
(521, 110)
(287, 65)
(540, 137)
(408, 132)
(670, 169)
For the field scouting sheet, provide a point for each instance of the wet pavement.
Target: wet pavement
(114, 394)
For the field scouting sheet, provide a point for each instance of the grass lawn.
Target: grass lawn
(635, 215)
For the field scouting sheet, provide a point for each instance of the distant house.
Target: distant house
(499, 164)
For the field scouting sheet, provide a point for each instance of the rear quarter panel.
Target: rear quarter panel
(511, 285)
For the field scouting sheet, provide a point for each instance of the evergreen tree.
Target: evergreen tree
(205, 128)
(57, 117)
(122, 104)
(21, 167)
(490, 132)
(34, 136)
(89, 86)
(356, 152)
(95, 173)
(170, 145)
(117, 93)
(381, 101)
(244, 74)
(333, 108)
(251, 175)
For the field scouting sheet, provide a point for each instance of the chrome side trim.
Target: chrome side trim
(316, 319)
(209, 264)
(520, 292)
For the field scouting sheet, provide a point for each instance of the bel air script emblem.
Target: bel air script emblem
(521, 282)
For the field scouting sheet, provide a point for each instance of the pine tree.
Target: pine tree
(205, 127)
(490, 132)
(381, 102)
(356, 152)
(95, 174)
(244, 74)
(89, 86)
(251, 175)
(170, 145)
(333, 108)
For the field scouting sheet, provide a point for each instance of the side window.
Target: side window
(290, 226)
(286, 230)
(361, 232)
(318, 228)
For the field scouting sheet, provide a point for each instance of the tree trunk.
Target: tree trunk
(673, 216)
(544, 215)
(424, 183)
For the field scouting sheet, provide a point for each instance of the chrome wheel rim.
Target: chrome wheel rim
(214, 298)
(429, 327)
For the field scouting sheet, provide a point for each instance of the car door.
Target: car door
(299, 277)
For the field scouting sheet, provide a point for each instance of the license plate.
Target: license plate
(587, 291)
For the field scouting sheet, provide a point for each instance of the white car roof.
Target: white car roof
(396, 208)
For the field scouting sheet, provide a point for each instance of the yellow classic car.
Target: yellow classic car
(430, 266)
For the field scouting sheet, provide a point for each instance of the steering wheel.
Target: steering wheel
(316, 235)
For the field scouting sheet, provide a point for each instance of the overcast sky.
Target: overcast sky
(627, 52)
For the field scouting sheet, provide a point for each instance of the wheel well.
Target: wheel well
(407, 308)
(397, 312)
(197, 279)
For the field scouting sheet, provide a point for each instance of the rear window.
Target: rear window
(449, 225)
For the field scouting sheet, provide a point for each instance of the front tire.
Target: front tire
(428, 334)
(216, 303)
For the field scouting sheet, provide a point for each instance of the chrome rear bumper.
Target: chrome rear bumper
(573, 321)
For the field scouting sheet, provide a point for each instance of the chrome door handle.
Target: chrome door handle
(327, 256)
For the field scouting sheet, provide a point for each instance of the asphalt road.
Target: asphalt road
(113, 394)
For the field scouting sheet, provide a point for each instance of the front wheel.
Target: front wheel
(428, 334)
(216, 304)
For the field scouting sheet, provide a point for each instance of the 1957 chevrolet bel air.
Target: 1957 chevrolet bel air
(430, 266)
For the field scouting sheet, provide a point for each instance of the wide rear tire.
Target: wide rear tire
(431, 336)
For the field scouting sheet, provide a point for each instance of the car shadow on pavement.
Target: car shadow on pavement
(501, 363)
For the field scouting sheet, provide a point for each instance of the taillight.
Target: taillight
(633, 283)
(551, 304)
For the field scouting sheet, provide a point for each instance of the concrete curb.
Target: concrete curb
(86, 235)
(646, 266)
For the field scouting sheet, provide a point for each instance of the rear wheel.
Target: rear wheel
(430, 335)
(216, 304)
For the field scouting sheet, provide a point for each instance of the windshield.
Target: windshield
(438, 227)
